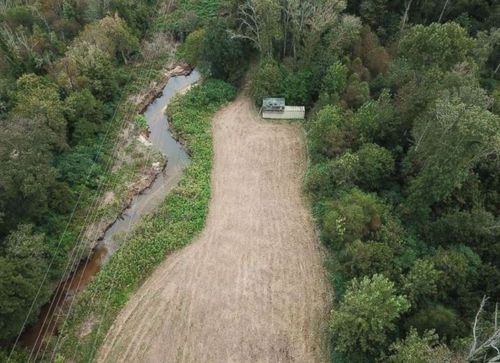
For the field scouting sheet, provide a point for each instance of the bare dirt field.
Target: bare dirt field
(251, 287)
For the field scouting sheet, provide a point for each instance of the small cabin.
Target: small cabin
(275, 108)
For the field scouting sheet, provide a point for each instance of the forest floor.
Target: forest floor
(251, 287)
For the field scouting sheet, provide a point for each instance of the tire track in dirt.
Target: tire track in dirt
(251, 288)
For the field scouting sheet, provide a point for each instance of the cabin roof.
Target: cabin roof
(273, 102)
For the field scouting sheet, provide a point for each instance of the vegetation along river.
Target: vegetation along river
(143, 203)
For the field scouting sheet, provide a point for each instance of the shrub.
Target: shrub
(141, 122)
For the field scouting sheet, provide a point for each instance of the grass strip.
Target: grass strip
(177, 221)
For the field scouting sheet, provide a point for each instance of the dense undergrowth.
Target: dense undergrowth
(176, 222)
(67, 70)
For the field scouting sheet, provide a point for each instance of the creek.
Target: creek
(143, 203)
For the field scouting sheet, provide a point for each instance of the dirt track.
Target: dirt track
(251, 288)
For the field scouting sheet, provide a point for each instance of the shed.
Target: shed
(289, 113)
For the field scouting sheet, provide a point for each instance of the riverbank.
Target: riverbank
(139, 162)
(143, 197)
(178, 219)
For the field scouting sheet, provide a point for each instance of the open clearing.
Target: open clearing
(251, 287)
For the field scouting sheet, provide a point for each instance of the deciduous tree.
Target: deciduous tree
(367, 315)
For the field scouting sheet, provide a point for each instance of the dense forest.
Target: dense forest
(404, 135)
(64, 68)
(403, 128)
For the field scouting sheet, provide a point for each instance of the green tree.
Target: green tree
(459, 267)
(22, 267)
(297, 88)
(421, 349)
(375, 165)
(36, 97)
(343, 170)
(267, 80)
(89, 61)
(26, 172)
(476, 228)
(375, 120)
(352, 216)
(373, 11)
(367, 168)
(443, 319)
(421, 282)
(226, 57)
(368, 313)
(449, 142)
(367, 258)
(85, 115)
(335, 80)
(357, 92)
(329, 133)
(191, 49)
(442, 45)
(79, 166)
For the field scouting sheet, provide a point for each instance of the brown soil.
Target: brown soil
(251, 287)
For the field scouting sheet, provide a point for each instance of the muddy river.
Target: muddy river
(144, 203)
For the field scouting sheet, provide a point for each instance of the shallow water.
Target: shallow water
(142, 204)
